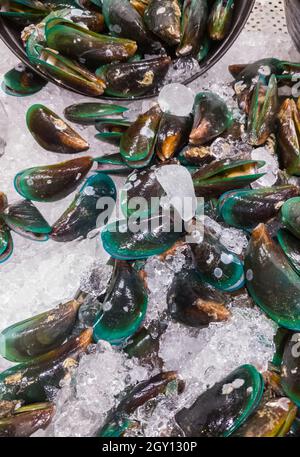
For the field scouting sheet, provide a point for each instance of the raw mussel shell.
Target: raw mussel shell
(39, 379)
(193, 302)
(153, 238)
(26, 420)
(124, 306)
(112, 164)
(173, 135)
(50, 183)
(82, 215)
(193, 26)
(223, 408)
(290, 216)
(218, 177)
(291, 247)
(216, 265)
(162, 17)
(134, 79)
(245, 209)
(288, 136)
(52, 133)
(6, 242)
(22, 81)
(271, 280)
(25, 219)
(91, 112)
(220, 19)
(23, 341)
(211, 118)
(290, 368)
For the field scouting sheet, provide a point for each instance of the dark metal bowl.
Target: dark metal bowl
(292, 12)
(10, 34)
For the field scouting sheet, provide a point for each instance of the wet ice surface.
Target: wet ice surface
(40, 275)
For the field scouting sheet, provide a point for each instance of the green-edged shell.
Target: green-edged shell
(290, 216)
(220, 19)
(82, 215)
(52, 133)
(89, 113)
(245, 209)
(173, 134)
(39, 379)
(271, 280)
(6, 242)
(291, 247)
(211, 118)
(162, 17)
(138, 142)
(290, 368)
(289, 136)
(216, 265)
(218, 177)
(193, 26)
(153, 237)
(112, 164)
(21, 81)
(25, 340)
(50, 183)
(124, 307)
(25, 219)
(223, 408)
(193, 302)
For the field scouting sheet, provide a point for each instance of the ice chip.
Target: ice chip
(176, 99)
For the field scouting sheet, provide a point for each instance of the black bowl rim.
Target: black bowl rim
(204, 66)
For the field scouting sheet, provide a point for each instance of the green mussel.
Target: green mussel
(50, 183)
(291, 247)
(193, 26)
(21, 81)
(290, 215)
(271, 280)
(220, 19)
(23, 341)
(223, 408)
(89, 113)
(24, 218)
(290, 368)
(83, 214)
(245, 209)
(173, 135)
(162, 17)
(39, 379)
(289, 136)
(52, 133)
(124, 306)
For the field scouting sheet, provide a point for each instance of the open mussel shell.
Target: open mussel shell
(138, 142)
(291, 247)
(77, 42)
(289, 136)
(124, 306)
(263, 110)
(25, 219)
(21, 81)
(50, 183)
(290, 216)
(193, 26)
(140, 189)
(39, 334)
(122, 19)
(52, 133)
(91, 112)
(245, 209)
(26, 420)
(67, 71)
(271, 280)
(173, 135)
(223, 408)
(216, 265)
(290, 368)
(211, 118)
(111, 128)
(134, 79)
(220, 19)
(154, 237)
(39, 379)
(273, 418)
(118, 419)
(162, 17)
(112, 164)
(193, 302)
(218, 177)
(82, 215)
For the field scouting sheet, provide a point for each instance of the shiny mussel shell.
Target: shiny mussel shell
(39, 379)
(290, 368)
(173, 134)
(223, 408)
(193, 26)
(162, 17)
(52, 133)
(124, 307)
(21, 81)
(39, 334)
(271, 280)
(82, 215)
(50, 183)
(193, 302)
(290, 216)
(291, 247)
(89, 113)
(289, 136)
(245, 209)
